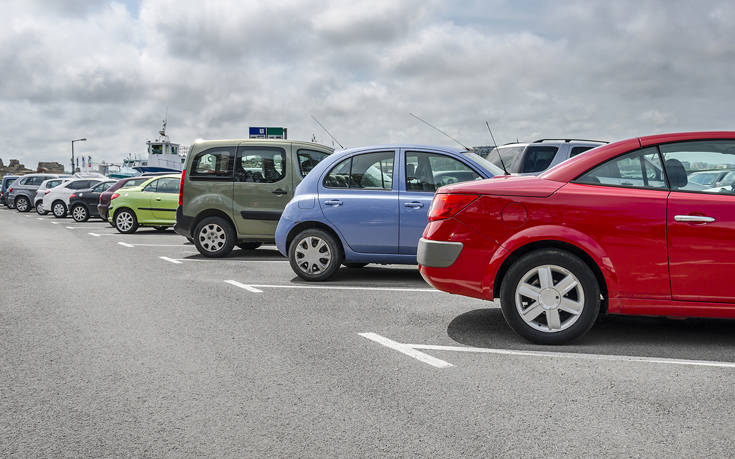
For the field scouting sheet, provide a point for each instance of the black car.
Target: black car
(83, 203)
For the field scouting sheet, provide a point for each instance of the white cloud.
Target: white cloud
(109, 71)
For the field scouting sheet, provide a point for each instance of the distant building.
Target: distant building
(50, 167)
(13, 168)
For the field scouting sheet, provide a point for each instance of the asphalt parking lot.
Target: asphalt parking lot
(116, 344)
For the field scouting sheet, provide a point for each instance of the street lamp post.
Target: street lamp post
(72, 153)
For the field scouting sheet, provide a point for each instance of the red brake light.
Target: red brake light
(181, 188)
(73, 195)
(116, 195)
(447, 205)
(10, 190)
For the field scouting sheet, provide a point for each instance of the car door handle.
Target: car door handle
(158, 199)
(333, 202)
(693, 218)
(413, 204)
(279, 192)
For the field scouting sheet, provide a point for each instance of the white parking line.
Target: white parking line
(152, 245)
(40, 218)
(243, 286)
(406, 349)
(103, 234)
(344, 287)
(125, 244)
(570, 355)
(220, 260)
(71, 227)
(54, 223)
(170, 260)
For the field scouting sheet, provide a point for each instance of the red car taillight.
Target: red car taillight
(10, 190)
(73, 195)
(181, 188)
(447, 205)
(46, 192)
(116, 195)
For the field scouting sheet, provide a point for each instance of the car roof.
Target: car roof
(574, 167)
(201, 144)
(405, 146)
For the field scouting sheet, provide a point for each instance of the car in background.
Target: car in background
(152, 203)
(617, 230)
(7, 180)
(369, 205)
(233, 191)
(83, 203)
(23, 191)
(104, 200)
(45, 186)
(535, 157)
(57, 199)
(709, 179)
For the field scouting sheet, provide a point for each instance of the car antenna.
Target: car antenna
(437, 129)
(496, 147)
(325, 130)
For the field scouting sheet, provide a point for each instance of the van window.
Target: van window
(308, 159)
(213, 163)
(260, 164)
(538, 158)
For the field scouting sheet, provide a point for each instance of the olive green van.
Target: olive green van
(233, 191)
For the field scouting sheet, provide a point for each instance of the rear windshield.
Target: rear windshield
(538, 158)
(135, 182)
(487, 165)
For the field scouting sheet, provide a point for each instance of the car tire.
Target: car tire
(355, 265)
(315, 255)
(39, 208)
(58, 208)
(249, 245)
(214, 237)
(79, 213)
(125, 221)
(550, 296)
(22, 204)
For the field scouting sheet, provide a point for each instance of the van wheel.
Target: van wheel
(249, 245)
(550, 297)
(59, 209)
(315, 255)
(22, 204)
(214, 237)
(125, 221)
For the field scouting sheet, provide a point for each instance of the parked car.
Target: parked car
(56, 200)
(535, 157)
(104, 201)
(152, 203)
(616, 230)
(23, 191)
(233, 191)
(709, 179)
(45, 186)
(369, 205)
(83, 203)
(7, 180)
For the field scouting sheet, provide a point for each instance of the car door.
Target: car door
(262, 188)
(165, 199)
(423, 173)
(359, 197)
(91, 197)
(701, 223)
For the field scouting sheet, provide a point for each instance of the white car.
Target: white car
(45, 187)
(56, 200)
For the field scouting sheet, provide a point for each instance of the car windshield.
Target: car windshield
(484, 163)
(509, 155)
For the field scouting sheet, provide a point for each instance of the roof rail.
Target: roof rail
(569, 140)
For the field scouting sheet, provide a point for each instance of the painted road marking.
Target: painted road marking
(125, 244)
(153, 245)
(243, 286)
(570, 355)
(345, 287)
(407, 350)
(170, 260)
(40, 218)
(71, 227)
(104, 234)
(54, 223)
(219, 260)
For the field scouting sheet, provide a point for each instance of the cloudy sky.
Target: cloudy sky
(604, 70)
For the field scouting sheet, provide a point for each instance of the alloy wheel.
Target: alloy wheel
(124, 221)
(59, 209)
(549, 298)
(79, 213)
(313, 255)
(212, 237)
(21, 204)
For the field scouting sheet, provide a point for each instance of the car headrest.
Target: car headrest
(676, 172)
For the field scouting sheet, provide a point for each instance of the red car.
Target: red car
(619, 230)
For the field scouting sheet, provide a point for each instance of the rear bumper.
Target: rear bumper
(183, 225)
(102, 211)
(455, 258)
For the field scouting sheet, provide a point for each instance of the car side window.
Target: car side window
(214, 163)
(426, 172)
(637, 169)
(538, 158)
(151, 187)
(339, 176)
(260, 164)
(23, 180)
(577, 150)
(168, 185)
(371, 171)
(686, 161)
(307, 159)
(134, 183)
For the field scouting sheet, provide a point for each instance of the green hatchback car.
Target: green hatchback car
(233, 191)
(152, 203)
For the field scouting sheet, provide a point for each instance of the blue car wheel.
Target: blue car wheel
(315, 255)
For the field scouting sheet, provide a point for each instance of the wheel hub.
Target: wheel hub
(549, 298)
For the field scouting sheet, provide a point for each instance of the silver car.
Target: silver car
(22, 192)
(535, 157)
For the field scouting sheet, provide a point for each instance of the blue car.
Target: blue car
(369, 205)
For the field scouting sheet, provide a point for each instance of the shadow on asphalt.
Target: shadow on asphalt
(245, 255)
(372, 276)
(705, 339)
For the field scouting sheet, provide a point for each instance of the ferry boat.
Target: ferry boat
(163, 156)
